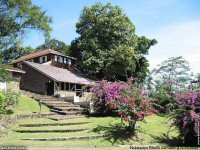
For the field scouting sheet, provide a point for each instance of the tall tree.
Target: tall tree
(55, 45)
(108, 45)
(14, 52)
(19, 16)
(171, 76)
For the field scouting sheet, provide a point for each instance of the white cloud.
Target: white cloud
(177, 40)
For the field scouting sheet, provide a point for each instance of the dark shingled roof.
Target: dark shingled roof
(60, 74)
(38, 54)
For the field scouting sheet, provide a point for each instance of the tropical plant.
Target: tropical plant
(187, 116)
(130, 102)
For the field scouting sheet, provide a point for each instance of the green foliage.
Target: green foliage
(2, 102)
(55, 45)
(12, 98)
(19, 16)
(108, 46)
(4, 75)
(15, 52)
(7, 99)
(171, 76)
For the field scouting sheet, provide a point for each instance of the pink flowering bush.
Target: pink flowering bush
(187, 115)
(130, 102)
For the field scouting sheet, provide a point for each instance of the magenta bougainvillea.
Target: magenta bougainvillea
(130, 102)
(187, 114)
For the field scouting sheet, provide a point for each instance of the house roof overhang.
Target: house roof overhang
(38, 54)
(60, 74)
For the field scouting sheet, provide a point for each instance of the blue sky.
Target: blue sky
(174, 23)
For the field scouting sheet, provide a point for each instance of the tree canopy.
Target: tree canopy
(108, 46)
(55, 45)
(14, 52)
(171, 76)
(19, 16)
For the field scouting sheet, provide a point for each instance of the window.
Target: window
(65, 60)
(69, 62)
(59, 59)
(43, 59)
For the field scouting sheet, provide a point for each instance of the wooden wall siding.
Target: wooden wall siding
(33, 80)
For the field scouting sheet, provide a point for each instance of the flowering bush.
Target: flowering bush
(131, 102)
(187, 115)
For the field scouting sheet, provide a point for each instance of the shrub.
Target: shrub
(2, 102)
(130, 102)
(187, 116)
(7, 99)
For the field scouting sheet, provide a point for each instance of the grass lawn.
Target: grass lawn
(27, 105)
(154, 132)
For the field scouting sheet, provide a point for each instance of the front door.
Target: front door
(50, 87)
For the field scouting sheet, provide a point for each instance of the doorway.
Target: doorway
(50, 88)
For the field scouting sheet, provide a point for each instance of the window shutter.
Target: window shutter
(45, 58)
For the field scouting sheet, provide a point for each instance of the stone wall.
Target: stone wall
(87, 96)
(13, 86)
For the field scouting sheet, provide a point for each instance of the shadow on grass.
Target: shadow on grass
(169, 141)
(115, 133)
(9, 112)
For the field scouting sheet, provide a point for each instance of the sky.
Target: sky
(175, 24)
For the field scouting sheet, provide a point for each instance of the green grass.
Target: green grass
(27, 105)
(155, 132)
(151, 133)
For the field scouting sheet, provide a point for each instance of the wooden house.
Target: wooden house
(50, 72)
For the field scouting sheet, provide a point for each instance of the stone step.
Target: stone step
(65, 138)
(72, 105)
(53, 124)
(53, 101)
(61, 117)
(44, 131)
(68, 108)
(58, 104)
(68, 112)
(42, 97)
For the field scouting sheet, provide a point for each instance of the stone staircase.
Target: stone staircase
(55, 131)
(63, 109)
